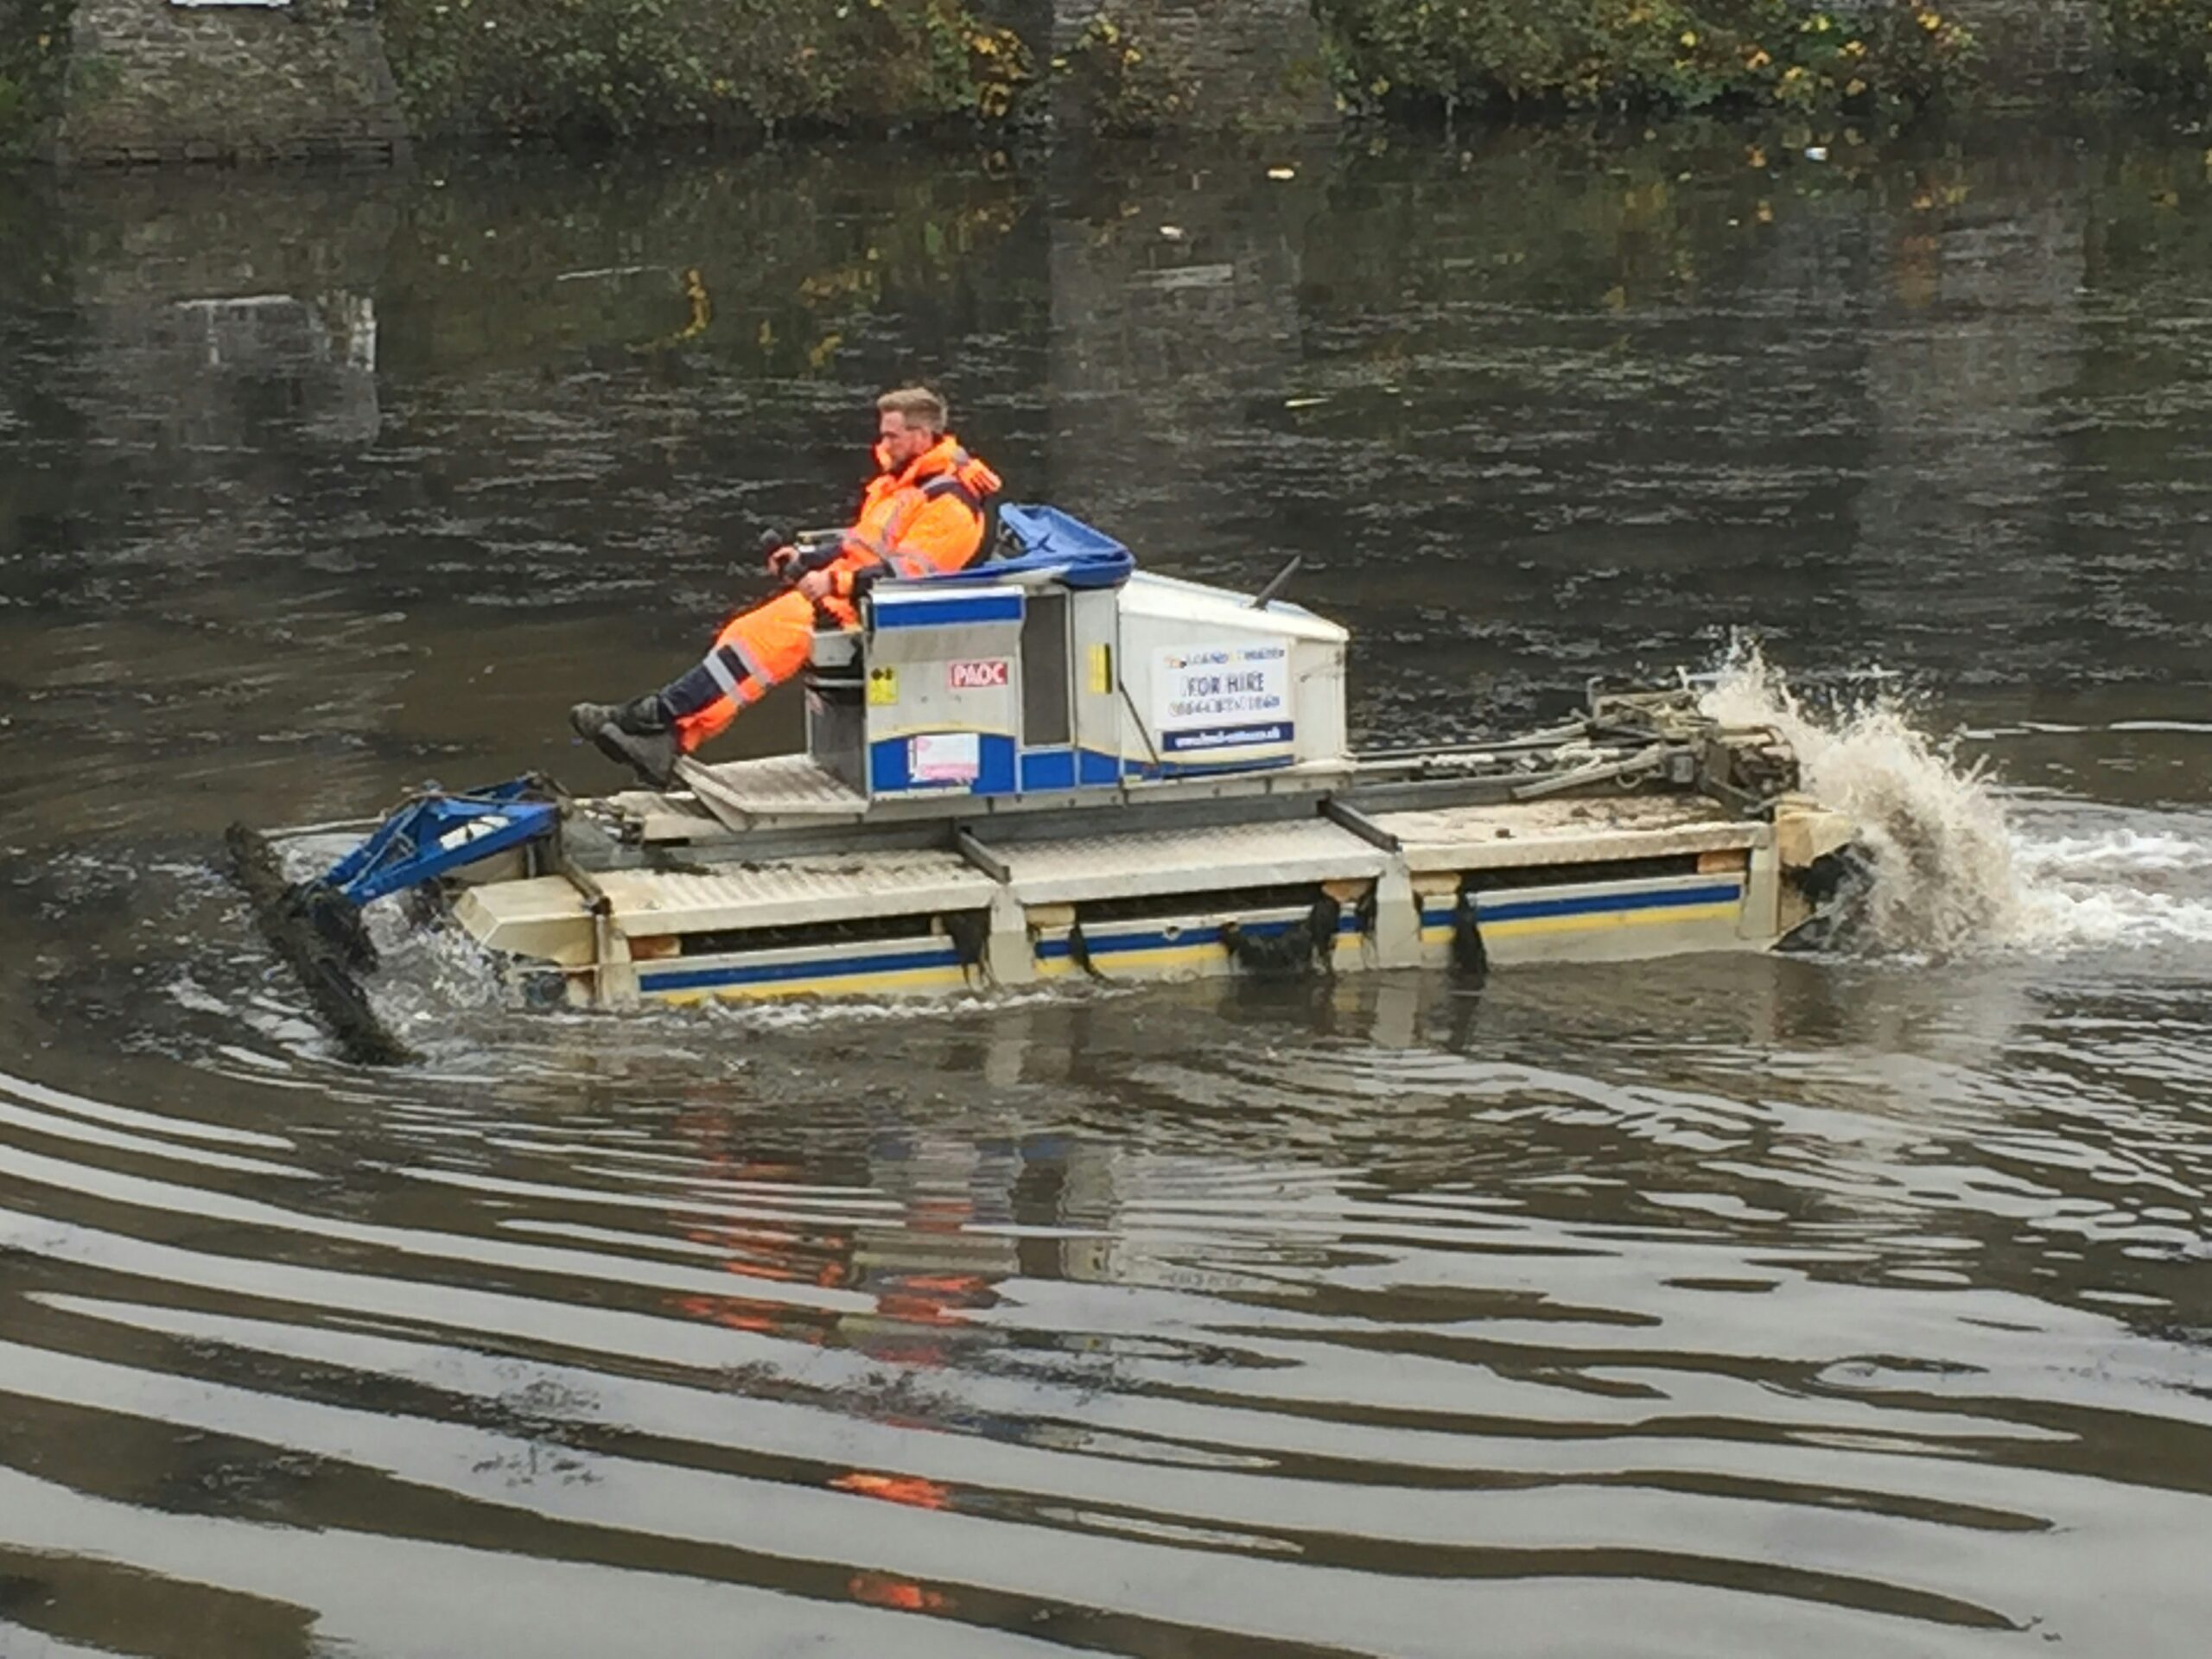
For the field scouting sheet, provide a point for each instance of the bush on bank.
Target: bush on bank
(2163, 48)
(1114, 80)
(1871, 58)
(34, 57)
(624, 67)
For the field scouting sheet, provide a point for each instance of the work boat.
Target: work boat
(1052, 766)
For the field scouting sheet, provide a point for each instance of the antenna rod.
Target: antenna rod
(1276, 583)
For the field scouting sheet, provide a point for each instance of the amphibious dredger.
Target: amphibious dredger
(1053, 765)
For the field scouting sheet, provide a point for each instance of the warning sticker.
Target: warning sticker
(882, 687)
(944, 758)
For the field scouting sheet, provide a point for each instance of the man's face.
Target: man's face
(902, 442)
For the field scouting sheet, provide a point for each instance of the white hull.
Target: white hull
(1599, 878)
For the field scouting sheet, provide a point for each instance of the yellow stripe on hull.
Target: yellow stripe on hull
(1598, 919)
(1162, 958)
(1441, 932)
(1161, 955)
(910, 979)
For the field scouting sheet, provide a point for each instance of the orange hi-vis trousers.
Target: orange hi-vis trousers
(756, 649)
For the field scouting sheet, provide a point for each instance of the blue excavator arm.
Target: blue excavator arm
(317, 927)
(435, 834)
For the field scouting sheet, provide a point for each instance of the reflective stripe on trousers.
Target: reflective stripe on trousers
(756, 650)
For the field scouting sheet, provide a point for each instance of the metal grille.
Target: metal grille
(790, 891)
(793, 784)
(1081, 869)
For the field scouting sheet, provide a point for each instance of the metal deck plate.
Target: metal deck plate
(656, 816)
(792, 892)
(1523, 832)
(778, 786)
(1151, 863)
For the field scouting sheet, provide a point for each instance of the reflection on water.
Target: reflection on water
(1832, 1307)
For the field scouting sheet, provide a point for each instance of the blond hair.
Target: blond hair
(918, 404)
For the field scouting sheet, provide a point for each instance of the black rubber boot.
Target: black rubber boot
(652, 755)
(637, 734)
(640, 715)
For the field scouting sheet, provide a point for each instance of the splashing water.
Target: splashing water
(1954, 872)
(1946, 880)
(2102, 880)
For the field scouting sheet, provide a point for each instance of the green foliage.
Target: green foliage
(622, 67)
(1114, 79)
(34, 59)
(1873, 59)
(2163, 48)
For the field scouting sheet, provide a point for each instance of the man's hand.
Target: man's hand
(781, 558)
(815, 584)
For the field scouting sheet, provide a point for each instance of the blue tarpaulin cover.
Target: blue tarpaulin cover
(1079, 555)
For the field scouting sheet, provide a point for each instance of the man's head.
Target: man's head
(909, 422)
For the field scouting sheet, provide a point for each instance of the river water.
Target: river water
(1826, 1306)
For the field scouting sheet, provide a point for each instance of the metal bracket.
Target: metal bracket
(981, 857)
(1347, 816)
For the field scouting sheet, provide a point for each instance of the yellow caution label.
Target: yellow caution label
(1101, 669)
(882, 687)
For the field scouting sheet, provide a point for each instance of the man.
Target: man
(922, 513)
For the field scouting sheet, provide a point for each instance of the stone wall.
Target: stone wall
(1229, 64)
(2032, 44)
(154, 80)
(150, 81)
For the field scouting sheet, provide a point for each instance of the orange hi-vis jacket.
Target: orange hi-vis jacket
(927, 519)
